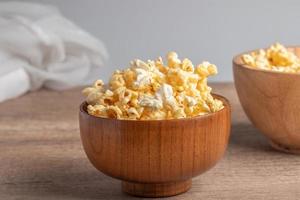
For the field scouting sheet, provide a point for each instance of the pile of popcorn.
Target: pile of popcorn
(275, 58)
(152, 91)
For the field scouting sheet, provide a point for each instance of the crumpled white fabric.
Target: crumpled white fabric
(41, 48)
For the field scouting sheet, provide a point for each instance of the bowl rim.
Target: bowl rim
(225, 101)
(237, 57)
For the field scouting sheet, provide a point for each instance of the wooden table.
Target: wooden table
(41, 156)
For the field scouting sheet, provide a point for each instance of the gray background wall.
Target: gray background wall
(201, 30)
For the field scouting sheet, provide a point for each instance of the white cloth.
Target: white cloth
(39, 47)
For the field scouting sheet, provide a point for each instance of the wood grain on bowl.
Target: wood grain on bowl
(271, 100)
(157, 157)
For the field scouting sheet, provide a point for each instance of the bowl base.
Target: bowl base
(283, 148)
(156, 189)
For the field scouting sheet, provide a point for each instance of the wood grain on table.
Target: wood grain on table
(41, 156)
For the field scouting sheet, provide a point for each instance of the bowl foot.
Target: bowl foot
(156, 189)
(283, 148)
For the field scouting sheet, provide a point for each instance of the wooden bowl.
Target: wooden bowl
(271, 101)
(155, 158)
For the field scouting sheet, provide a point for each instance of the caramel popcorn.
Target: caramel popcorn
(152, 91)
(275, 58)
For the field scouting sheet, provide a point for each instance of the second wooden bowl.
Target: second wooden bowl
(271, 100)
(158, 157)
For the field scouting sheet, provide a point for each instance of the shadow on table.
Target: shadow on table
(59, 182)
(245, 135)
(67, 178)
(80, 185)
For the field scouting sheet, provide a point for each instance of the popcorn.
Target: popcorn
(275, 58)
(190, 101)
(92, 96)
(143, 78)
(117, 80)
(187, 65)
(98, 84)
(133, 113)
(173, 60)
(205, 69)
(152, 90)
(151, 102)
(113, 112)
